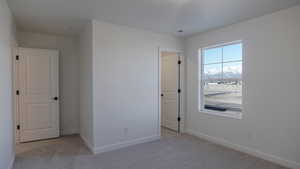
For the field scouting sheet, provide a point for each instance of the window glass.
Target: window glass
(232, 52)
(213, 55)
(222, 78)
(232, 71)
(213, 72)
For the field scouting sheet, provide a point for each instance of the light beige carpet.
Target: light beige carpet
(181, 152)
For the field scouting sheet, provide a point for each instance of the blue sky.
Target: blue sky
(230, 53)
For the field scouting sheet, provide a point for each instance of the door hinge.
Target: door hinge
(17, 92)
(179, 62)
(179, 90)
(178, 119)
(18, 127)
(17, 57)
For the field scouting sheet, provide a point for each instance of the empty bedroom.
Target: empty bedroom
(149, 84)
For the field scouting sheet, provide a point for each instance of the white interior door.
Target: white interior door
(169, 87)
(38, 94)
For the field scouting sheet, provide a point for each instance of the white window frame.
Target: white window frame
(227, 113)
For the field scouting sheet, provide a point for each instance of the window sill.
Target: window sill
(228, 113)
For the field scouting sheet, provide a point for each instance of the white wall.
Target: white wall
(125, 79)
(68, 74)
(271, 91)
(7, 42)
(86, 85)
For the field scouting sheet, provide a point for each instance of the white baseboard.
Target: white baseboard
(257, 153)
(116, 146)
(66, 132)
(87, 143)
(11, 163)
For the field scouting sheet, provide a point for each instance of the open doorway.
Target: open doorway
(171, 93)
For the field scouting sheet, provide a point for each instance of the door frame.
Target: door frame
(182, 86)
(16, 86)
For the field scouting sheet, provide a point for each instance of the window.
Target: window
(221, 79)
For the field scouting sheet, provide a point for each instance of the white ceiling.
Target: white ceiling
(167, 16)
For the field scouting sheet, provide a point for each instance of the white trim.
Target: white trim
(15, 86)
(65, 132)
(201, 109)
(87, 143)
(230, 114)
(124, 144)
(11, 163)
(159, 92)
(169, 50)
(182, 77)
(251, 151)
(222, 44)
